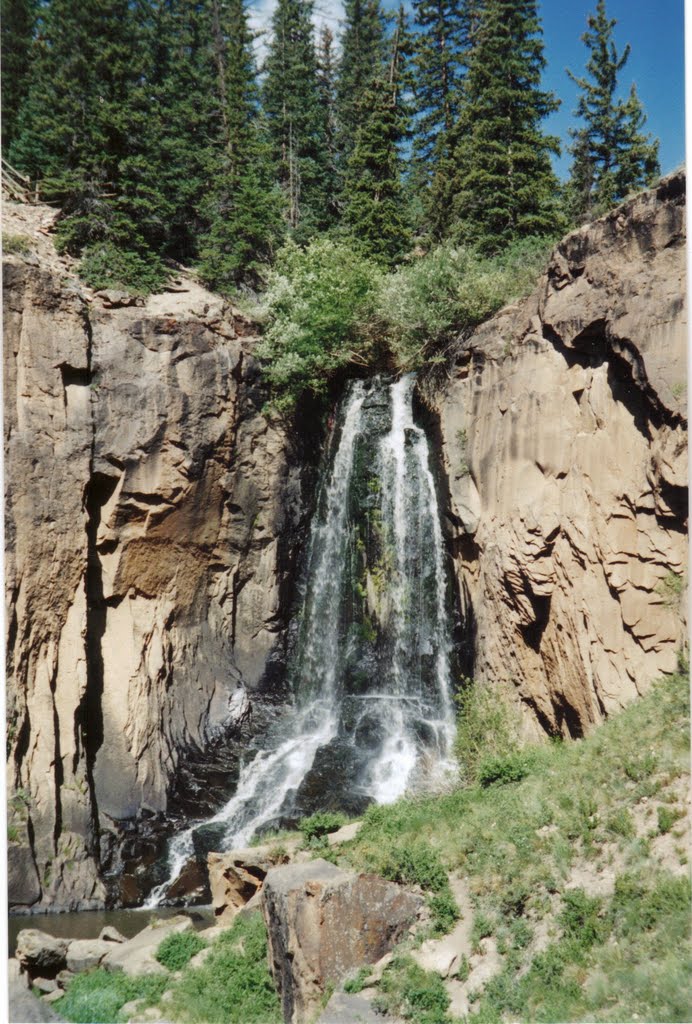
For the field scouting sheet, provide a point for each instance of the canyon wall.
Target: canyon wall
(155, 518)
(563, 440)
(153, 515)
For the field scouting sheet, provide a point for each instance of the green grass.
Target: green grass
(233, 986)
(412, 993)
(517, 837)
(18, 245)
(98, 996)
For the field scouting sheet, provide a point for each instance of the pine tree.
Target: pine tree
(183, 109)
(17, 23)
(610, 153)
(80, 127)
(375, 213)
(295, 117)
(243, 210)
(498, 177)
(326, 75)
(443, 39)
(363, 55)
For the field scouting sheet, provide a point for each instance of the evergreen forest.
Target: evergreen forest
(163, 140)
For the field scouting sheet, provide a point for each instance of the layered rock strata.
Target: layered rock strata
(153, 515)
(563, 440)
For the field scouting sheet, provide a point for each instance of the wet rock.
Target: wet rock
(41, 954)
(191, 885)
(323, 923)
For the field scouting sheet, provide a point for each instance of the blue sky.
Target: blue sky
(654, 28)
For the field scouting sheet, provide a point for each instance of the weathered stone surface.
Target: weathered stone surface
(344, 834)
(153, 519)
(111, 934)
(39, 953)
(16, 973)
(83, 954)
(45, 985)
(236, 877)
(324, 922)
(26, 1008)
(343, 1008)
(137, 955)
(563, 437)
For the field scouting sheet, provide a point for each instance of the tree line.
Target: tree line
(150, 124)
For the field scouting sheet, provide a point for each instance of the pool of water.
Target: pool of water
(86, 924)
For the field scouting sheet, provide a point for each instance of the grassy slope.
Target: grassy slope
(577, 871)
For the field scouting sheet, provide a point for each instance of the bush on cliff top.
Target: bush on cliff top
(328, 306)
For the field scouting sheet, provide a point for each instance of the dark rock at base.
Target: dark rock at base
(191, 885)
(332, 783)
(22, 879)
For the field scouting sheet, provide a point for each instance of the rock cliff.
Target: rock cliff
(153, 515)
(563, 440)
(155, 518)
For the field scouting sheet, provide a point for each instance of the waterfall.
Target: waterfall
(372, 711)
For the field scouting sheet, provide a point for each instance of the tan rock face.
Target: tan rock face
(153, 515)
(324, 922)
(564, 445)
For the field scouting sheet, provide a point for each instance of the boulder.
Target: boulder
(343, 1008)
(16, 973)
(111, 934)
(64, 978)
(235, 877)
(45, 985)
(344, 834)
(323, 923)
(40, 953)
(192, 884)
(138, 955)
(83, 954)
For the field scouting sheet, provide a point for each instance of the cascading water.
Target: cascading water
(372, 710)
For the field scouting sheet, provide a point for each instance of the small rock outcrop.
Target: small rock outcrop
(235, 878)
(323, 923)
(137, 955)
(563, 441)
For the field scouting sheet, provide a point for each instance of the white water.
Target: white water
(407, 712)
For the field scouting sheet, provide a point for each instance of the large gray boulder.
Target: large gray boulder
(138, 955)
(83, 954)
(41, 954)
(323, 923)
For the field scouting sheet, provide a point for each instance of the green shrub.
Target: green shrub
(445, 911)
(106, 266)
(357, 983)
(502, 770)
(18, 245)
(431, 300)
(319, 825)
(667, 816)
(316, 305)
(485, 728)
(580, 918)
(416, 863)
(97, 996)
(179, 948)
(639, 904)
(414, 994)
